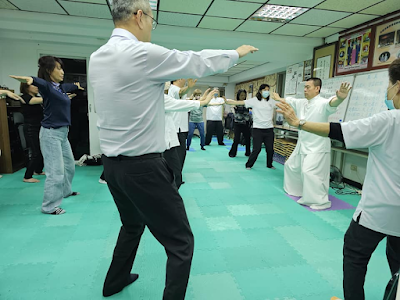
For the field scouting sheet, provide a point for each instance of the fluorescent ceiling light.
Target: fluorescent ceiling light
(278, 13)
(153, 4)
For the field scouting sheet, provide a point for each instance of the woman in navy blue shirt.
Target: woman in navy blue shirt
(58, 158)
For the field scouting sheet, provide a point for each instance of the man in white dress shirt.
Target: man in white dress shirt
(306, 172)
(214, 114)
(178, 90)
(127, 75)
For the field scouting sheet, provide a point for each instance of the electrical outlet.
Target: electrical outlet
(353, 167)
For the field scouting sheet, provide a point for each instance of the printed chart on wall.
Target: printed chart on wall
(329, 88)
(291, 80)
(368, 94)
(294, 75)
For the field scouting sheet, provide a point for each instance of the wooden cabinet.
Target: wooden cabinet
(12, 157)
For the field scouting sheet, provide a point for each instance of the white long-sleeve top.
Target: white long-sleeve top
(128, 78)
(316, 109)
(172, 106)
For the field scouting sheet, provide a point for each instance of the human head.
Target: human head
(312, 88)
(241, 95)
(26, 89)
(135, 16)
(263, 87)
(394, 83)
(216, 94)
(51, 69)
(197, 94)
(179, 82)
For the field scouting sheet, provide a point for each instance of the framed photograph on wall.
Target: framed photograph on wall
(354, 52)
(387, 43)
(324, 61)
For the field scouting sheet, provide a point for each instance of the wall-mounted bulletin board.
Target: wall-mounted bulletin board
(324, 61)
(387, 43)
(354, 53)
(252, 86)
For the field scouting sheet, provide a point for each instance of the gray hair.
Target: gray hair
(122, 10)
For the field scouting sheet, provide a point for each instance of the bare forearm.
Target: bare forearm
(335, 102)
(183, 91)
(233, 102)
(321, 129)
(36, 100)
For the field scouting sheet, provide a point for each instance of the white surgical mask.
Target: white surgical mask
(265, 94)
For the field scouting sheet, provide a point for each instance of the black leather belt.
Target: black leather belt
(141, 157)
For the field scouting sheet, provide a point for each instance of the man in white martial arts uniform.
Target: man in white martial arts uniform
(307, 169)
(179, 91)
(172, 106)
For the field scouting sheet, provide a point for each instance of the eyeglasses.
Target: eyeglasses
(155, 23)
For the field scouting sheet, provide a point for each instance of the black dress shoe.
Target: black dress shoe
(108, 292)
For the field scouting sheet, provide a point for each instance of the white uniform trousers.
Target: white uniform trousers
(307, 176)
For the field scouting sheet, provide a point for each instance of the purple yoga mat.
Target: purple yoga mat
(337, 204)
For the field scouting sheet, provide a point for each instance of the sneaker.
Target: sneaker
(321, 207)
(223, 144)
(187, 148)
(102, 181)
(272, 168)
(202, 148)
(248, 168)
(58, 211)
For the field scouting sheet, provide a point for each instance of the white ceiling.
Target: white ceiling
(232, 15)
(229, 19)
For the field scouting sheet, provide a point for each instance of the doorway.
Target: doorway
(75, 71)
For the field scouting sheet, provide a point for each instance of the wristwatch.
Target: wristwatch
(301, 123)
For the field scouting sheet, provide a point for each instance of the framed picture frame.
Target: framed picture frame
(354, 52)
(386, 46)
(323, 63)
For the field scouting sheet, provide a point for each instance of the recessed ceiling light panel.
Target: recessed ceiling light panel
(278, 13)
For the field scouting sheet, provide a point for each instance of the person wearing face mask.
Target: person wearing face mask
(196, 121)
(32, 111)
(377, 215)
(263, 111)
(241, 125)
(58, 158)
(306, 172)
(214, 116)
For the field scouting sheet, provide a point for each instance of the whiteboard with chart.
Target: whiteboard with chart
(367, 95)
(329, 88)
